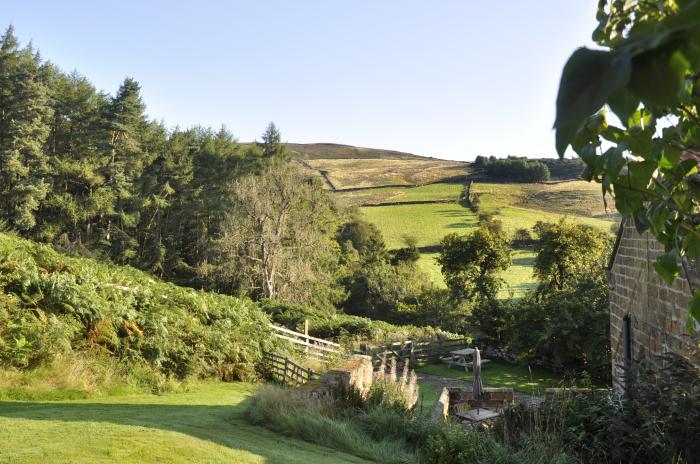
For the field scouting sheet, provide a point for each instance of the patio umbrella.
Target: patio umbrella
(478, 388)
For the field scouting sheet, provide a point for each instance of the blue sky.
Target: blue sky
(451, 79)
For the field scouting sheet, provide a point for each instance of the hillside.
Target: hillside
(52, 304)
(338, 151)
(429, 212)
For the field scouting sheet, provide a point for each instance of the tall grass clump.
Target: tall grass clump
(53, 306)
(390, 391)
(318, 421)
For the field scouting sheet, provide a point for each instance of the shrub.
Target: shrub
(656, 421)
(391, 391)
(53, 305)
(341, 326)
(568, 329)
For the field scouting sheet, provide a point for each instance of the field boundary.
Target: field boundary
(412, 202)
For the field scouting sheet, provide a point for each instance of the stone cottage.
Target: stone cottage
(647, 316)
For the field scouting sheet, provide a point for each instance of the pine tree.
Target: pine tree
(272, 145)
(126, 123)
(24, 127)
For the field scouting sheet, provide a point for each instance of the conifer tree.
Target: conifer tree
(272, 145)
(24, 118)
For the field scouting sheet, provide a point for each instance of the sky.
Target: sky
(449, 79)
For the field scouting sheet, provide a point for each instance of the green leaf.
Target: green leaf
(614, 160)
(588, 79)
(694, 309)
(658, 215)
(641, 223)
(640, 172)
(667, 266)
(627, 201)
(691, 245)
(657, 76)
(623, 103)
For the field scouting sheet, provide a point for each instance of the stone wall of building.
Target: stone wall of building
(658, 312)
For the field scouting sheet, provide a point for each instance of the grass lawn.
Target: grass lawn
(502, 374)
(205, 425)
(428, 223)
(429, 393)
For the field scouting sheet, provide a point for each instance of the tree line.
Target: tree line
(90, 172)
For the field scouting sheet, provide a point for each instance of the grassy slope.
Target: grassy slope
(521, 205)
(203, 426)
(517, 206)
(428, 223)
(338, 151)
(354, 173)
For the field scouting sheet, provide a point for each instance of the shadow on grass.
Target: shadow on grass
(221, 424)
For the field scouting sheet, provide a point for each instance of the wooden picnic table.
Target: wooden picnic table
(459, 358)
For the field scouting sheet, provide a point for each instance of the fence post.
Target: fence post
(412, 355)
(306, 333)
(284, 375)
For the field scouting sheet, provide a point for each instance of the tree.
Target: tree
(277, 239)
(471, 264)
(648, 72)
(24, 127)
(272, 145)
(567, 251)
(408, 254)
(364, 238)
(569, 328)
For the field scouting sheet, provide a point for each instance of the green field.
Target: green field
(428, 223)
(205, 425)
(517, 206)
(430, 192)
(574, 198)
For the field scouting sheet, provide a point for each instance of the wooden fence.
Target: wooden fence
(416, 352)
(316, 346)
(286, 371)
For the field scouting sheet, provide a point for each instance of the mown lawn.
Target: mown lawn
(205, 425)
(503, 374)
(428, 223)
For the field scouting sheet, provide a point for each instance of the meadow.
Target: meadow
(203, 425)
(517, 206)
(427, 223)
(573, 198)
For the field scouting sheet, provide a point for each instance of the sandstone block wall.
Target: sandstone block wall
(658, 312)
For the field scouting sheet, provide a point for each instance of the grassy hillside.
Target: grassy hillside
(205, 425)
(339, 151)
(516, 206)
(52, 305)
(522, 205)
(364, 173)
